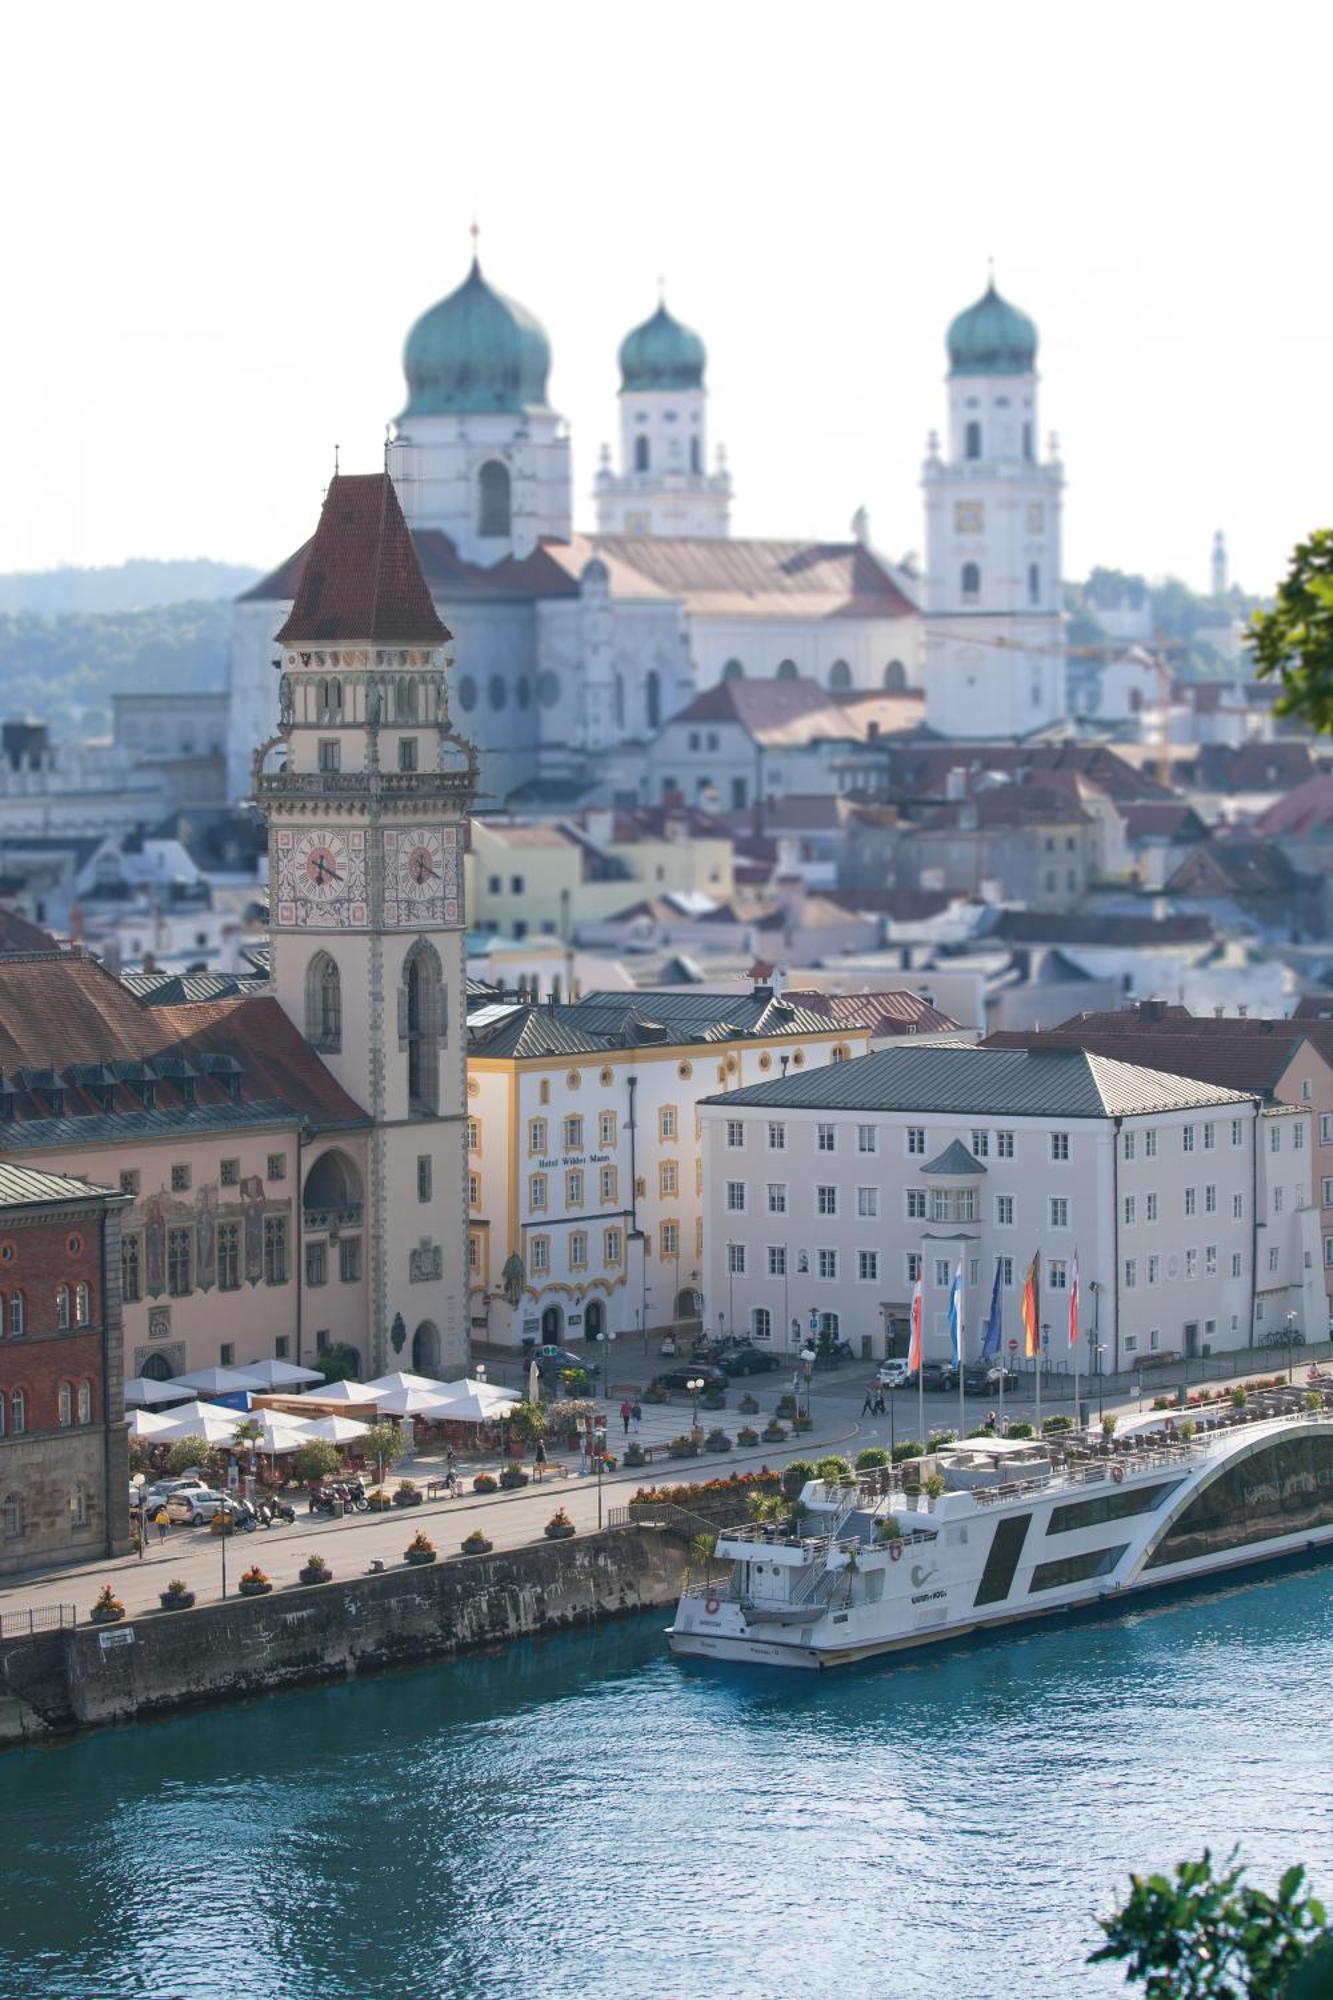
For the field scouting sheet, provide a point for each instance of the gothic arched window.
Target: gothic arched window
(323, 1004)
(65, 1406)
(1034, 584)
(62, 1306)
(972, 440)
(17, 1313)
(493, 499)
(652, 699)
(642, 454)
(423, 1026)
(840, 676)
(81, 1305)
(971, 583)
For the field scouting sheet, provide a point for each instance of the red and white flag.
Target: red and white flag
(1073, 1304)
(914, 1345)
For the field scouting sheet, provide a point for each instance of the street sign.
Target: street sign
(1013, 1347)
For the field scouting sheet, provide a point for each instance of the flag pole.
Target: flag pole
(1038, 1426)
(962, 1358)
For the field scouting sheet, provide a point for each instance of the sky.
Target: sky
(221, 222)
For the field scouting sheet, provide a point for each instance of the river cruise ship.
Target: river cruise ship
(1021, 1529)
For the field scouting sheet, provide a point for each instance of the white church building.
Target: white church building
(574, 649)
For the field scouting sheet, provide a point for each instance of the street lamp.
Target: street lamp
(606, 1337)
(1099, 1349)
(807, 1366)
(731, 1288)
(694, 1385)
(1291, 1341)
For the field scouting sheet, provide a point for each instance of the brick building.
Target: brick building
(63, 1470)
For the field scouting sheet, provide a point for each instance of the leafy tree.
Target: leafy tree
(1293, 643)
(527, 1421)
(316, 1460)
(339, 1363)
(383, 1444)
(187, 1451)
(1209, 1936)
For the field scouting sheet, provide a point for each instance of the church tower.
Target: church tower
(663, 486)
(366, 809)
(478, 452)
(994, 631)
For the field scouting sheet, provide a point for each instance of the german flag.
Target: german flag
(1031, 1312)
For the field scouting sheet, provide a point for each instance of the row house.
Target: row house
(1187, 1205)
(586, 1214)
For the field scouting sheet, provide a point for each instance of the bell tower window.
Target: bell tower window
(323, 1004)
(494, 507)
(642, 455)
(970, 583)
(972, 440)
(652, 699)
(696, 456)
(423, 1027)
(1034, 583)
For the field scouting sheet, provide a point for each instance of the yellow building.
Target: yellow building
(547, 877)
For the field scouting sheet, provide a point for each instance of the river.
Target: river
(588, 1818)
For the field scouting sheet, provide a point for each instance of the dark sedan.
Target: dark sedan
(678, 1379)
(937, 1375)
(750, 1361)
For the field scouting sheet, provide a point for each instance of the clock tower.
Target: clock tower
(994, 628)
(366, 790)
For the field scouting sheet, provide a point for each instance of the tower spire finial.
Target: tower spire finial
(990, 274)
(474, 231)
(336, 451)
(388, 436)
(661, 289)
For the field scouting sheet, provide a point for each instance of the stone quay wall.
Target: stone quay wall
(88, 1676)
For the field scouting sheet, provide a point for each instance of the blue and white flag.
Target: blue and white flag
(991, 1340)
(956, 1315)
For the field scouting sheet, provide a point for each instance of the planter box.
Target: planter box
(481, 1548)
(316, 1575)
(254, 1589)
(174, 1600)
(106, 1617)
(407, 1499)
(560, 1534)
(419, 1555)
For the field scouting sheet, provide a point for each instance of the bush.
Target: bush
(937, 1438)
(874, 1455)
(748, 1405)
(1021, 1431)
(747, 1435)
(177, 1596)
(315, 1570)
(255, 1582)
(484, 1483)
(1313, 1400)
(796, 1475)
(476, 1544)
(1050, 1425)
(421, 1549)
(774, 1432)
(1238, 1399)
(717, 1440)
(575, 1381)
(833, 1468)
(933, 1486)
(909, 1448)
(316, 1460)
(141, 1459)
(559, 1527)
(339, 1363)
(889, 1528)
(635, 1455)
(786, 1406)
(683, 1447)
(512, 1477)
(108, 1607)
(187, 1451)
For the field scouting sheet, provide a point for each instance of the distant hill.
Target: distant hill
(130, 586)
(66, 669)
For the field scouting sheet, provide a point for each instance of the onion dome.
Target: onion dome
(475, 351)
(662, 354)
(992, 338)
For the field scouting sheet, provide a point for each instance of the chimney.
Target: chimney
(1151, 1010)
(955, 783)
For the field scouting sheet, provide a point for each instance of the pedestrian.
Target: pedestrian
(636, 1411)
(868, 1407)
(626, 1412)
(539, 1458)
(583, 1453)
(881, 1408)
(450, 1459)
(990, 1422)
(161, 1521)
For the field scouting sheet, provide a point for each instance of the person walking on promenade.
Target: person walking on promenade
(868, 1407)
(161, 1521)
(626, 1412)
(636, 1411)
(539, 1458)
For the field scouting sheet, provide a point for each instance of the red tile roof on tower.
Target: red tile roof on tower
(361, 580)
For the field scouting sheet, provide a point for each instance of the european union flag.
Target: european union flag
(991, 1338)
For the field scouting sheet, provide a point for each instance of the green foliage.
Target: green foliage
(1021, 1431)
(1293, 643)
(527, 1421)
(1238, 1399)
(575, 1381)
(909, 1448)
(1209, 1936)
(796, 1475)
(250, 1432)
(316, 1460)
(339, 1363)
(874, 1455)
(889, 1528)
(67, 669)
(1051, 1425)
(635, 1454)
(833, 1468)
(140, 1456)
(937, 1438)
(932, 1486)
(717, 1440)
(1312, 1401)
(383, 1445)
(187, 1451)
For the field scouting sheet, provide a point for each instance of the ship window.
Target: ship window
(1076, 1569)
(1284, 1489)
(1110, 1507)
(998, 1575)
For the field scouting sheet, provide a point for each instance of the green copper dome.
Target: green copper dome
(992, 338)
(475, 351)
(662, 354)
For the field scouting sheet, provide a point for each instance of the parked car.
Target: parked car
(750, 1361)
(163, 1489)
(938, 1375)
(553, 1361)
(195, 1508)
(679, 1379)
(894, 1374)
(982, 1378)
(1278, 1336)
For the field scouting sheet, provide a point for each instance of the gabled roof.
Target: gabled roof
(360, 578)
(1253, 1064)
(18, 935)
(791, 714)
(603, 1022)
(957, 1160)
(29, 1187)
(1162, 819)
(897, 1012)
(1123, 933)
(966, 1081)
(1238, 867)
(1308, 809)
(735, 578)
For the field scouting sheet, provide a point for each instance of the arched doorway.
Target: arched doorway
(553, 1326)
(156, 1368)
(426, 1350)
(594, 1319)
(689, 1304)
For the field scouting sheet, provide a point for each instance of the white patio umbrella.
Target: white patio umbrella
(149, 1424)
(334, 1430)
(280, 1433)
(143, 1389)
(342, 1392)
(481, 1404)
(221, 1381)
(281, 1374)
(397, 1381)
(534, 1383)
(203, 1420)
(410, 1402)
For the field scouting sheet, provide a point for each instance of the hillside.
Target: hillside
(66, 669)
(130, 586)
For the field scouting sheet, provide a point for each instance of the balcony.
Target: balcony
(332, 1221)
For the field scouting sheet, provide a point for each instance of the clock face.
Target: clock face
(967, 517)
(319, 876)
(422, 882)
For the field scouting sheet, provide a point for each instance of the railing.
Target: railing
(661, 1514)
(346, 1216)
(455, 785)
(50, 1618)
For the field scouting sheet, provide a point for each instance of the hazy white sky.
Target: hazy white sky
(220, 222)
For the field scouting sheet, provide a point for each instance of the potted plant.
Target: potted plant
(1312, 1400)
(747, 1435)
(635, 1454)
(774, 1432)
(559, 1528)
(315, 1570)
(255, 1582)
(108, 1609)
(379, 1500)
(833, 1468)
(795, 1476)
(476, 1544)
(421, 1549)
(717, 1440)
(683, 1446)
(1238, 1401)
(714, 1399)
(606, 1459)
(802, 1423)
(177, 1596)
(889, 1528)
(786, 1406)
(932, 1486)
(485, 1482)
(406, 1494)
(871, 1458)
(512, 1477)
(654, 1394)
(748, 1405)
